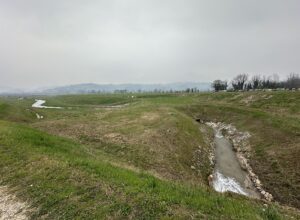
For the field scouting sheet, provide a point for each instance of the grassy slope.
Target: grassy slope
(273, 119)
(68, 179)
(149, 135)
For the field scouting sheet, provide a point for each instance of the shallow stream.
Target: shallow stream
(228, 174)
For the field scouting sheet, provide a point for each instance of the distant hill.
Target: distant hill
(9, 90)
(108, 88)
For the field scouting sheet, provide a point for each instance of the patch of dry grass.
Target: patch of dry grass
(159, 140)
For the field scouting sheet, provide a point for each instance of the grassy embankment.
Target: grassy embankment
(97, 168)
(273, 119)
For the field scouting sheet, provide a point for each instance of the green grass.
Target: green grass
(141, 135)
(89, 99)
(63, 181)
(90, 162)
(13, 109)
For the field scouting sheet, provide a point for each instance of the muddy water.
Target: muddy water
(228, 174)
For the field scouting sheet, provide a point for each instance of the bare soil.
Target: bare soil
(11, 207)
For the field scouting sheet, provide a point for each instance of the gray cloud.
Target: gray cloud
(58, 42)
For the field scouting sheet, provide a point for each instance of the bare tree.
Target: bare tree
(256, 82)
(239, 81)
(219, 85)
(274, 77)
(293, 81)
(248, 86)
(273, 81)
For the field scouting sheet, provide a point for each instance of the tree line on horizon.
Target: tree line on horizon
(242, 82)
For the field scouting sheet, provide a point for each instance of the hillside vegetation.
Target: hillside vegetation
(273, 119)
(99, 158)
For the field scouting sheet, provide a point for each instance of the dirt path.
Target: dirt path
(11, 207)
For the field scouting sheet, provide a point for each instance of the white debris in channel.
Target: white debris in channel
(39, 116)
(40, 104)
(219, 134)
(222, 183)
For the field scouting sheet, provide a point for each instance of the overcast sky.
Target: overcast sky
(58, 42)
